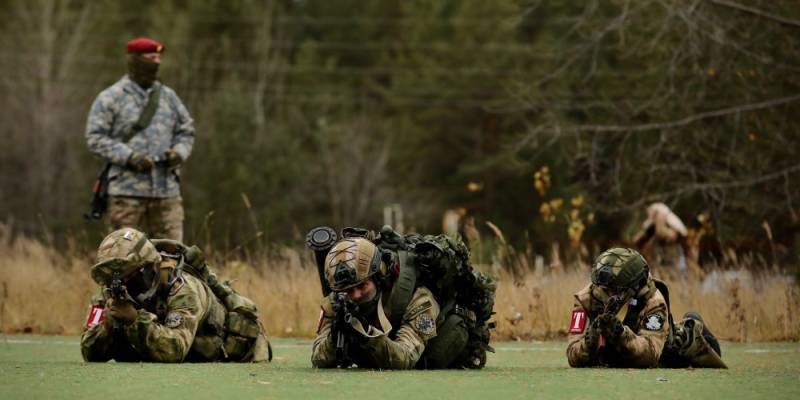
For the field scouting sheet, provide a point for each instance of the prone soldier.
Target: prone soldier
(622, 319)
(400, 302)
(160, 302)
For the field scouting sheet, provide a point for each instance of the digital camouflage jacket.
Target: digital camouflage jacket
(113, 113)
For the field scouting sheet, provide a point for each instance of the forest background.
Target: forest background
(325, 112)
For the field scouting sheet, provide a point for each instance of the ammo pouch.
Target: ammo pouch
(242, 328)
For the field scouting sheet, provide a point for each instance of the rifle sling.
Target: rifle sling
(147, 114)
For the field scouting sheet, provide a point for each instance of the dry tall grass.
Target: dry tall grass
(737, 305)
(45, 291)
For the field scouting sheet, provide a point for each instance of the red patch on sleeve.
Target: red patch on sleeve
(96, 315)
(396, 269)
(578, 321)
(321, 318)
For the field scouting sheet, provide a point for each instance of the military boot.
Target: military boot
(710, 338)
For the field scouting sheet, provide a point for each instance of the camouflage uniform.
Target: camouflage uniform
(188, 323)
(409, 327)
(150, 199)
(634, 328)
(383, 346)
(645, 332)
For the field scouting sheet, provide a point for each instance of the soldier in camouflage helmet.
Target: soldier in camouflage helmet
(397, 320)
(160, 302)
(622, 319)
(351, 267)
(145, 161)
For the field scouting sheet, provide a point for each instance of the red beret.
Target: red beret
(144, 45)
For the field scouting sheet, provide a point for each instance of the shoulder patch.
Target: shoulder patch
(96, 315)
(578, 322)
(419, 309)
(424, 324)
(173, 320)
(653, 322)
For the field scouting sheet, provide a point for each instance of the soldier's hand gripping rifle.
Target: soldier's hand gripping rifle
(608, 326)
(117, 292)
(342, 333)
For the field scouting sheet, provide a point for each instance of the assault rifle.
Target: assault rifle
(612, 307)
(342, 333)
(99, 203)
(118, 292)
(615, 304)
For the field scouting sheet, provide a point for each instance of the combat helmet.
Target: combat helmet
(121, 253)
(620, 269)
(350, 262)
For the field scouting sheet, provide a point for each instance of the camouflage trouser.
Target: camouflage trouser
(158, 218)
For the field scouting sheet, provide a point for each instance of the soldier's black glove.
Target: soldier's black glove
(122, 312)
(591, 338)
(141, 162)
(610, 327)
(172, 158)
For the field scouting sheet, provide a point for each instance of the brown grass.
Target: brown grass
(46, 291)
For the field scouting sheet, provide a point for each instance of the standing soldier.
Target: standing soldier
(622, 319)
(159, 302)
(143, 130)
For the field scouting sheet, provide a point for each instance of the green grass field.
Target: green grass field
(34, 367)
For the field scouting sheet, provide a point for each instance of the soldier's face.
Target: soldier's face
(141, 280)
(154, 57)
(363, 292)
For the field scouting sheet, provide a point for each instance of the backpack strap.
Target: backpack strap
(403, 289)
(662, 287)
